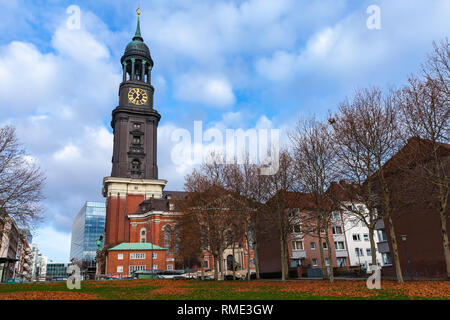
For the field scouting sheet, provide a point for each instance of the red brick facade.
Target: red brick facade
(119, 261)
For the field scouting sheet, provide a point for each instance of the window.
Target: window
(382, 235)
(341, 262)
(327, 262)
(297, 245)
(143, 232)
(296, 228)
(136, 126)
(143, 235)
(137, 255)
(356, 237)
(366, 237)
(337, 230)
(120, 256)
(136, 139)
(313, 246)
(252, 263)
(325, 246)
(155, 267)
(314, 262)
(119, 268)
(359, 252)
(339, 245)
(205, 264)
(135, 165)
(310, 229)
(386, 258)
(137, 268)
(369, 252)
(335, 215)
(170, 267)
(155, 255)
(322, 230)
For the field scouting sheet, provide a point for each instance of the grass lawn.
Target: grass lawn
(224, 290)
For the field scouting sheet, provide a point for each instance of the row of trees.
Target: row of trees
(21, 183)
(355, 144)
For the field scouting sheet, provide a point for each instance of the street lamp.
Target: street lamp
(403, 236)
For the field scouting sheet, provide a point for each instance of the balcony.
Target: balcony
(379, 224)
(339, 237)
(341, 253)
(298, 254)
(383, 246)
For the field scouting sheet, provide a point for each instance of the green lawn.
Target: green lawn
(225, 290)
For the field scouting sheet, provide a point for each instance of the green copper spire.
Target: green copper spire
(137, 35)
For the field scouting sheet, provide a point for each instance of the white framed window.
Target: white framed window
(313, 245)
(339, 245)
(170, 267)
(155, 255)
(337, 230)
(335, 215)
(356, 237)
(314, 262)
(119, 269)
(369, 252)
(137, 255)
(341, 262)
(366, 237)
(382, 235)
(327, 262)
(143, 235)
(155, 267)
(120, 256)
(386, 258)
(137, 268)
(297, 245)
(324, 246)
(359, 252)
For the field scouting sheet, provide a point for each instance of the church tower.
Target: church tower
(134, 174)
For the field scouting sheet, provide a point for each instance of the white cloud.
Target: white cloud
(214, 91)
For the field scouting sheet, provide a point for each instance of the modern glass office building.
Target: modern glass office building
(87, 227)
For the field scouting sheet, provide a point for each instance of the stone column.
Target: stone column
(143, 70)
(133, 76)
(124, 65)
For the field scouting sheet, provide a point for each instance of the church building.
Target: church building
(141, 219)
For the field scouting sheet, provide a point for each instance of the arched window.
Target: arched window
(177, 239)
(135, 165)
(143, 235)
(168, 238)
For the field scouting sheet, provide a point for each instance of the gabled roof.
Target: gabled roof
(136, 246)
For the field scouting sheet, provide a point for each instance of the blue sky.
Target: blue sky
(231, 64)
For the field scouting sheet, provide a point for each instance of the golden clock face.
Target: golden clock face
(137, 96)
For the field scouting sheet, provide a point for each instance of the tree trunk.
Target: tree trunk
(233, 265)
(445, 243)
(203, 267)
(372, 246)
(322, 260)
(248, 262)
(283, 258)
(330, 260)
(216, 268)
(255, 250)
(398, 268)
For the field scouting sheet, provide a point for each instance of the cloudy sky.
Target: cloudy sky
(231, 64)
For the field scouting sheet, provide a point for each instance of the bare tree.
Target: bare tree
(21, 181)
(315, 162)
(369, 125)
(276, 211)
(425, 109)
